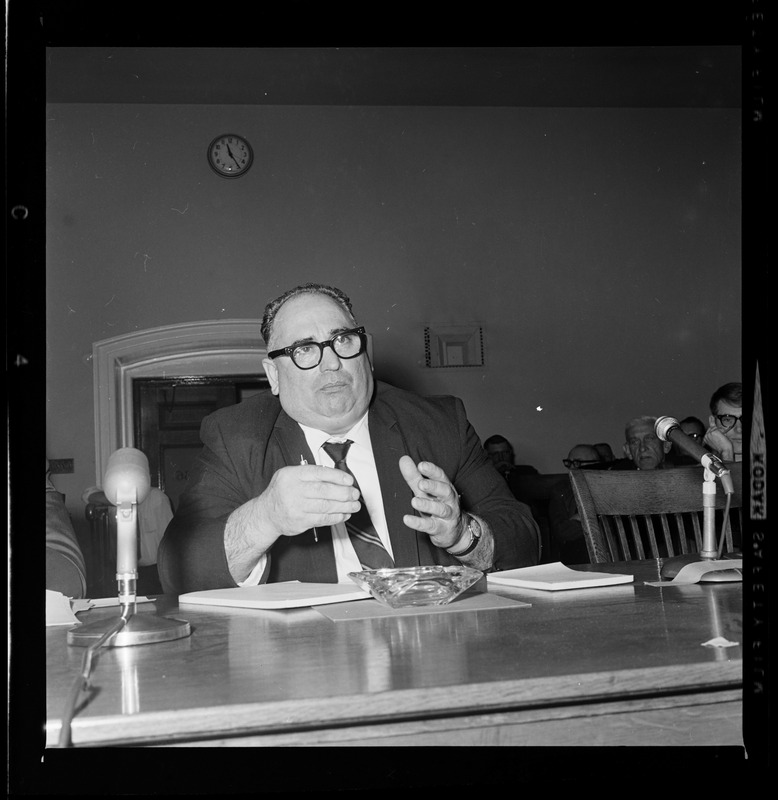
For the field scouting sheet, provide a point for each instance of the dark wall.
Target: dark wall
(600, 250)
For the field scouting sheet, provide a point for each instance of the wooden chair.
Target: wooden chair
(636, 514)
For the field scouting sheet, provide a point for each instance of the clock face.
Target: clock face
(230, 155)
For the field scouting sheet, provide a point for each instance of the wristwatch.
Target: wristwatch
(474, 528)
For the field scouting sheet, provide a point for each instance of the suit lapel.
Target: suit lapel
(305, 554)
(291, 442)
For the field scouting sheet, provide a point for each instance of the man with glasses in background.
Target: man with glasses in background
(583, 455)
(724, 436)
(285, 479)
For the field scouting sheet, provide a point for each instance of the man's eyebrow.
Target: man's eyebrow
(310, 340)
(298, 342)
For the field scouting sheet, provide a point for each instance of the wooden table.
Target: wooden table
(620, 665)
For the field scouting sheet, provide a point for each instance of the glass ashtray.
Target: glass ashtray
(402, 587)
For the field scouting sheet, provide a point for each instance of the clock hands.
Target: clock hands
(233, 157)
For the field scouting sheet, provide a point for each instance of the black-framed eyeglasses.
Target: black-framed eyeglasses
(575, 463)
(728, 421)
(347, 344)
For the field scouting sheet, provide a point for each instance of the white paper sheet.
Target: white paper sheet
(691, 573)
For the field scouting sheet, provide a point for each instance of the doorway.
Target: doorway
(167, 417)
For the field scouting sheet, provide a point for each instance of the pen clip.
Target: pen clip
(304, 463)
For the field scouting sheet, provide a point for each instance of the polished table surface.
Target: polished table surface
(616, 665)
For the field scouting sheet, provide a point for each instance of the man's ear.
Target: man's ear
(626, 451)
(271, 371)
(666, 446)
(712, 421)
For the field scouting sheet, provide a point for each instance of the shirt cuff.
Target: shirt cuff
(254, 577)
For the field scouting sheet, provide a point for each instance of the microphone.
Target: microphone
(127, 477)
(668, 429)
(126, 484)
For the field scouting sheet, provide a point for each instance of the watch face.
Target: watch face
(230, 155)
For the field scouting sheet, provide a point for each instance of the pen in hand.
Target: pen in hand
(304, 463)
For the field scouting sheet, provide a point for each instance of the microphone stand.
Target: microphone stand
(131, 629)
(709, 550)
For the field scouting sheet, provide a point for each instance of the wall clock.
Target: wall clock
(230, 155)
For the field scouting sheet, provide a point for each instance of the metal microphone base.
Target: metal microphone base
(674, 565)
(139, 629)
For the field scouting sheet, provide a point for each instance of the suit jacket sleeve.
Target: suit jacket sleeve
(437, 429)
(228, 473)
(485, 493)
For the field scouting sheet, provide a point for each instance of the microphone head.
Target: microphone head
(127, 477)
(664, 425)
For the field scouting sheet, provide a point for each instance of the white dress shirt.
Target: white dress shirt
(361, 462)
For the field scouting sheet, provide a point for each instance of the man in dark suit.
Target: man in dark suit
(265, 503)
(500, 451)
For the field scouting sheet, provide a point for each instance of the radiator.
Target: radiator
(100, 551)
(100, 556)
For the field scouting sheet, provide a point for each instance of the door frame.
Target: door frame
(207, 347)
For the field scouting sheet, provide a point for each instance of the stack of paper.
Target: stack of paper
(553, 577)
(289, 594)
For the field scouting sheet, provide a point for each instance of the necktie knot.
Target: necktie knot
(337, 451)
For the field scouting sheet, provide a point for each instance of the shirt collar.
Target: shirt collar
(358, 434)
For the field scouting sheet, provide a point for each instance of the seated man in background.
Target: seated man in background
(500, 450)
(724, 436)
(694, 428)
(265, 504)
(581, 456)
(643, 448)
(567, 541)
(65, 568)
(605, 452)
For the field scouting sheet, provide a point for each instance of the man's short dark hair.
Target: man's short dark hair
(496, 439)
(271, 309)
(731, 392)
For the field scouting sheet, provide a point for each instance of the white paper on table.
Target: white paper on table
(691, 573)
(287, 594)
(555, 577)
(719, 641)
(61, 610)
(104, 602)
(58, 610)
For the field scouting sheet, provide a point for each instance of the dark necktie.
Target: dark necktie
(364, 537)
